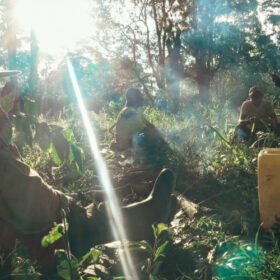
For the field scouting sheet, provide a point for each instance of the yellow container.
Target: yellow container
(269, 186)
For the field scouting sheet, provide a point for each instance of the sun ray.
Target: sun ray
(113, 208)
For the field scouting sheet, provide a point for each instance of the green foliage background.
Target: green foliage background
(194, 85)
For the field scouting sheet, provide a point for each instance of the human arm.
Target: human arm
(245, 116)
(119, 117)
(245, 119)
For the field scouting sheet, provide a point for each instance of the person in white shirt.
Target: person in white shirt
(257, 114)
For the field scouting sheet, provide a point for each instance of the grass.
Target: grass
(222, 241)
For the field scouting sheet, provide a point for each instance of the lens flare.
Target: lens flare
(113, 208)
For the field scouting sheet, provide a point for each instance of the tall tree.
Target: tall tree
(11, 39)
(218, 38)
(271, 12)
(11, 43)
(150, 34)
(33, 75)
(191, 39)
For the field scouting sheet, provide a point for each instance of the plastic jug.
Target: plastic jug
(269, 186)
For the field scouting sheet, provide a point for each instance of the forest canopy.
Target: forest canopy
(194, 62)
(174, 50)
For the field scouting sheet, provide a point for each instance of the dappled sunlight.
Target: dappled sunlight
(113, 207)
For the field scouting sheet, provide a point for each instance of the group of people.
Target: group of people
(28, 205)
(133, 130)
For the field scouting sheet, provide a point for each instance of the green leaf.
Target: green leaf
(64, 269)
(55, 156)
(152, 277)
(78, 156)
(55, 233)
(141, 245)
(67, 269)
(160, 250)
(158, 229)
(68, 135)
(141, 250)
(221, 136)
(92, 253)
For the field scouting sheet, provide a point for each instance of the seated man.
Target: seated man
(133, 130)
(29, 207)
(257, 114)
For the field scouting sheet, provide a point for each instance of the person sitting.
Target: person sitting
(257, 114)
(29, 207)
(133, 130)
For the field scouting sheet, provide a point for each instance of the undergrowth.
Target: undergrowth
(222, 242)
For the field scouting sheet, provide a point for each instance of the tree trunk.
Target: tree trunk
(33, 76)
(12, 51)
(174, 72)
(203, 82)
(173, 88)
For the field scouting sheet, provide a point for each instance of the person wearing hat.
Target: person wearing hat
(256, 114)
